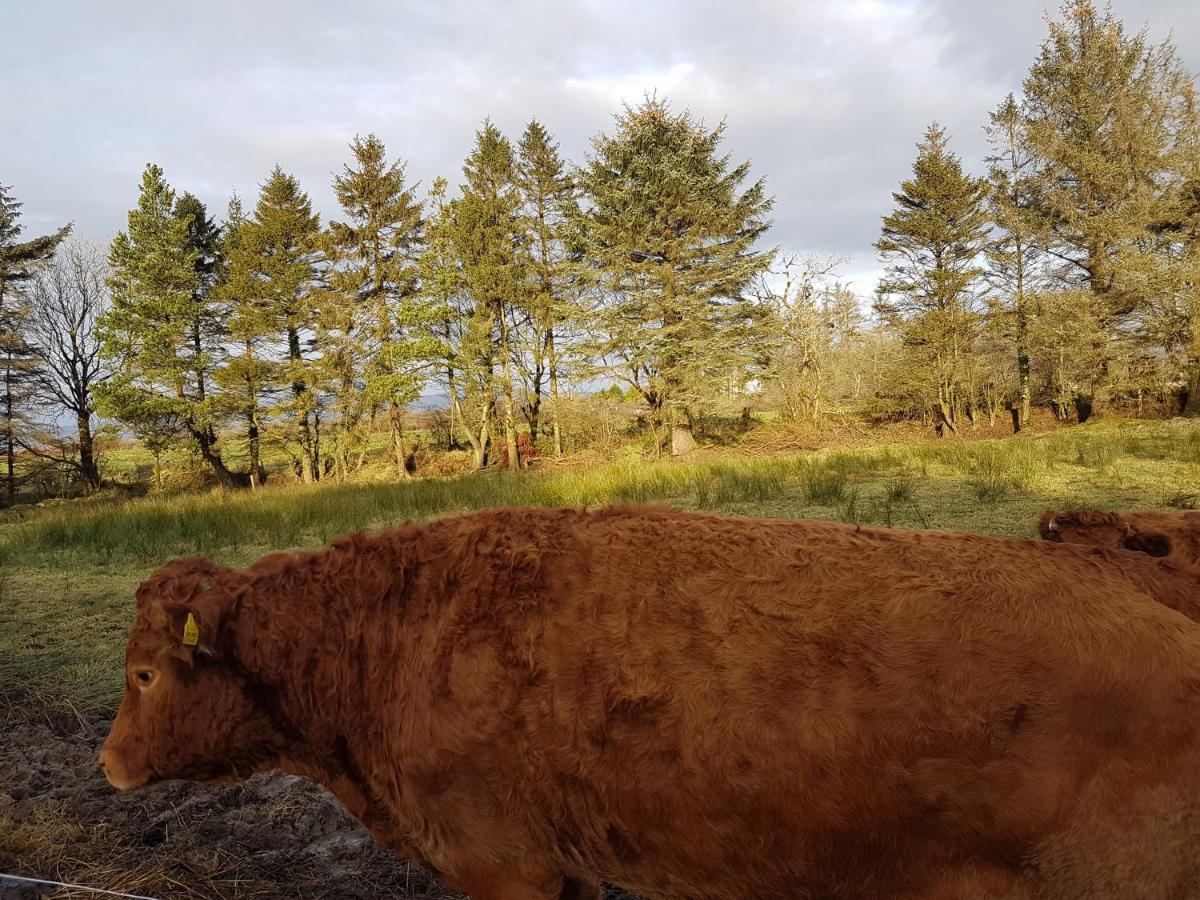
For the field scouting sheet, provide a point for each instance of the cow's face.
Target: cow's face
(1103, 530)
(1068, 530)
(189, 710)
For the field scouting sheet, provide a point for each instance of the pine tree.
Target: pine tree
(19, 262)
(1186, 294)
(1102, 114)
(205, 329)
(489, 242)
(159, 299)
(548, 202)
(247, 377)
(461, 328)
(1015, 252)
(932, 246)
(280, 255)
(373, 286)
(671, 241)
(1173, 314)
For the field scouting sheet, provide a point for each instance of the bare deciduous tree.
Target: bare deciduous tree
(66, 299)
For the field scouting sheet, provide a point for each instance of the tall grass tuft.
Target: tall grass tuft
(1101, 453)
(900, 491)
(993, 473)
(823, 484)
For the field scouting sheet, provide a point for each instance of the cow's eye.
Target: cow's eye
(143, 677)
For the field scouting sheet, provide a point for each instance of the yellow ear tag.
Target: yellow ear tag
(191, 631)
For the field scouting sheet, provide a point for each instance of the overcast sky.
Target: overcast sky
(826, 98)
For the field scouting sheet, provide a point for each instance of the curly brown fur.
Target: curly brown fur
(1167, 535)
(533, 701)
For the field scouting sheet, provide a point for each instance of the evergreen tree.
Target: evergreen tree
(1102, 115)
(1015, 252)
(373, 296)
(19, 262)
(932, 245)
(1173, 314)
(249, 373)
(671, 241)
(548, 202)
(489, 242)
(279, 258)
(158, 297)
(206, 329)
(461, 328)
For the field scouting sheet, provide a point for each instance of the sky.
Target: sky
(826, 99)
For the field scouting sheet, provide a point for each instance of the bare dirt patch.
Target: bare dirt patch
(273, 836)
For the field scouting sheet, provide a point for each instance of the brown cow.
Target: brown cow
(535, 701)
(1168, 535)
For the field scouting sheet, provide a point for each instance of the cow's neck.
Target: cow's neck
(318, 642)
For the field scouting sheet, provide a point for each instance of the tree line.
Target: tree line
(1069, 271)
(1065, 275)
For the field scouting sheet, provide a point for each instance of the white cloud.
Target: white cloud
(826, 98)
(627, 87)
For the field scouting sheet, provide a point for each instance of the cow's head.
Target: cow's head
(1101, 529)
(189, 709)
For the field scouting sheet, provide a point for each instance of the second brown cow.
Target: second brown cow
(1166, 535)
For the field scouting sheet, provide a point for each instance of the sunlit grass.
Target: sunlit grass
(67, 572)
(1111, 464)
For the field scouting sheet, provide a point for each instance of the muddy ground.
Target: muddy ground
(273, 836)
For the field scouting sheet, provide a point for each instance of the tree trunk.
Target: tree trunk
(310, 471)
(225, 477)
(87, 452)
(399, 452)
(201, 388)
(552, 356)
(10, 487)
(258, 475)
(945, 418)
(535, 414)
(1022, 366)
(478, 444)
(1191, 406)
(682, 441)
(510, 425)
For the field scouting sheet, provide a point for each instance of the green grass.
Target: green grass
(67, 572)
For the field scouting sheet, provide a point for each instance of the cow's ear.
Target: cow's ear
(1048, 527)
(196, 625)
(191, 598)
(1152, 543)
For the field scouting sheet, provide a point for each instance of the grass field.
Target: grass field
(67, 572)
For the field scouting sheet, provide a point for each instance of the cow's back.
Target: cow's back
(695, 706)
